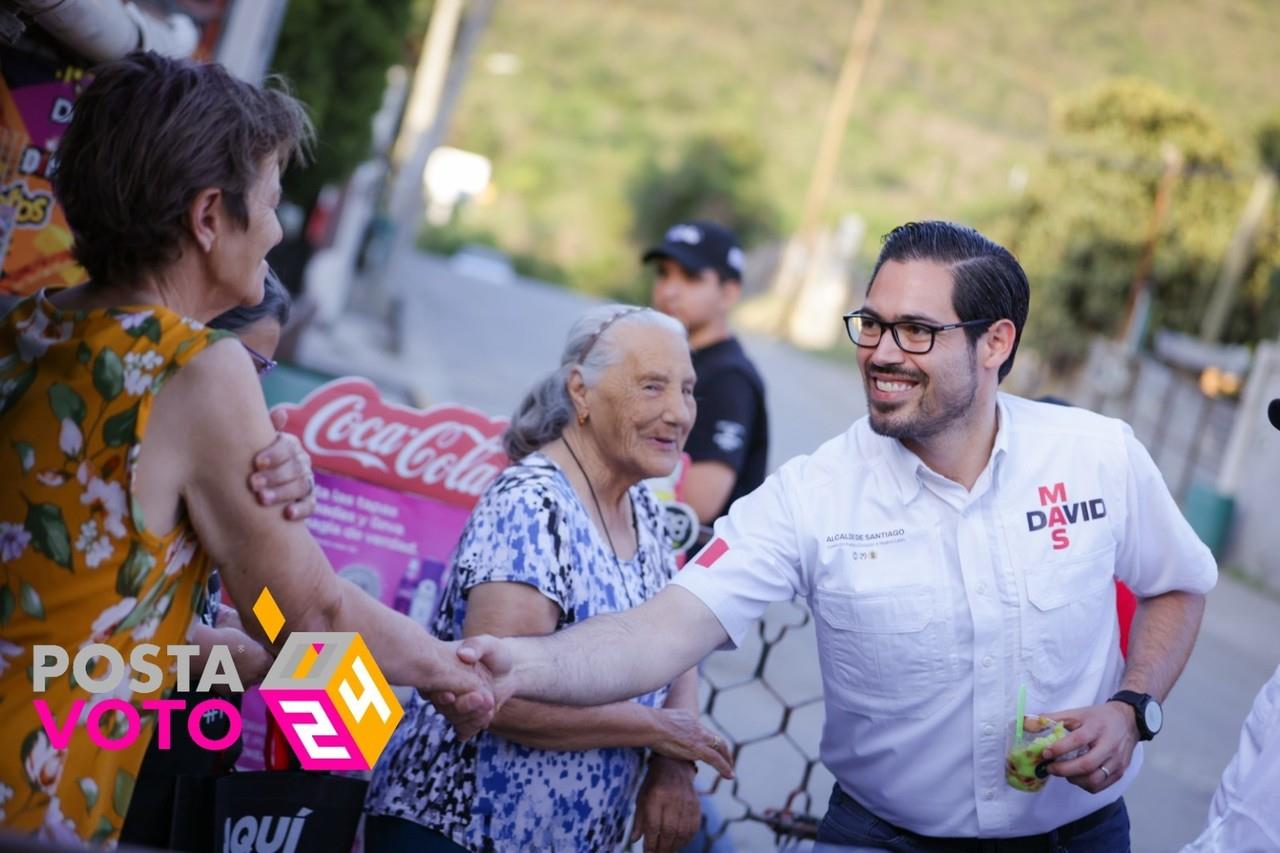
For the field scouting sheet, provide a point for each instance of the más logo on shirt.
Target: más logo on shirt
(1057, 513)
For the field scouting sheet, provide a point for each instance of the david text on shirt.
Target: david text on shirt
(1058, 513)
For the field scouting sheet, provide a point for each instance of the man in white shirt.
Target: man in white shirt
(1245, 813)
(955, 544)
(1244, 816)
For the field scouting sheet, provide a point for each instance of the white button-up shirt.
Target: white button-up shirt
(933, 603)
(1245, 813)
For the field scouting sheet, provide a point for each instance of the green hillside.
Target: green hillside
(956, 103)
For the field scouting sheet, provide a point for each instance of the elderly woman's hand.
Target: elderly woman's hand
(282, 474)
(667, 809)
(682, 737)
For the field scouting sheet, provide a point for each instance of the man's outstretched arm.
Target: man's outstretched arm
(620, 655)
(754, 562)
(604, 659)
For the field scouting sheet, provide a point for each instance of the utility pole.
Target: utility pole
(249, 40)
(796, 258)
(437, 85)
(1139, 304)
(424, 98)
(1239, 253)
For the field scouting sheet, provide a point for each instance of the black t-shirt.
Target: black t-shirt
(732, 426)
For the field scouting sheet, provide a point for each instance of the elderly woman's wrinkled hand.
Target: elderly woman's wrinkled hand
(683, 737)
(282, 474)
(480, 682)
(667, 809)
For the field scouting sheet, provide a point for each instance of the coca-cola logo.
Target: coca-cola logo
(447, 452)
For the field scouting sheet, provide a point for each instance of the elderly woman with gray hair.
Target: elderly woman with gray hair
(568, 531)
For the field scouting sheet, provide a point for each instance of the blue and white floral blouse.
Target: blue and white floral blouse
(488, 793)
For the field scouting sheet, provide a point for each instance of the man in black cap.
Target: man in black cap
(698, 280)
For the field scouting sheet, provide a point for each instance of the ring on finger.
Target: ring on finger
(1106, 774)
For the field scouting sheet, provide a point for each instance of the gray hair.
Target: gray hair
(590, 349)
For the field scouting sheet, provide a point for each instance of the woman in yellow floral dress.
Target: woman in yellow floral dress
(127, 432)
(79, 566)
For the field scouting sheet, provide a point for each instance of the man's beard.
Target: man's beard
(932, 415)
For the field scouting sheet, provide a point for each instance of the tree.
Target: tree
(1080, 230)
(1268, 139)
(714, 177)
(335, 55)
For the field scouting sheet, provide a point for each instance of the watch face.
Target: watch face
(1154, 716)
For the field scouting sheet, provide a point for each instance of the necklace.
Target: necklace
(595, 500)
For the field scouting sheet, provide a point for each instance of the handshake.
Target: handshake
(474, 683)
(478, 674)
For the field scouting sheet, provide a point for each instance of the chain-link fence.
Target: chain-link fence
(765, 698)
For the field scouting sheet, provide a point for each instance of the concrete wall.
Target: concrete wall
(1254, 465)
(1223, 444)
(1186, 433)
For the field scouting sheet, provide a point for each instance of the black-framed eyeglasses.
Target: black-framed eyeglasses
(911, 336)
(261, 363)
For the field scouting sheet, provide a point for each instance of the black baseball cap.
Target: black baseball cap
(699, 246)
(1273, 413)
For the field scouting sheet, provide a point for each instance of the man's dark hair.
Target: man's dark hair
(275, 305)
(989, 281)
(148, 135)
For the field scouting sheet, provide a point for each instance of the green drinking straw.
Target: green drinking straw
(1022, 711)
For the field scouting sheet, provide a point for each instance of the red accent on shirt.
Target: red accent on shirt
(1126, 606)
(714, 551)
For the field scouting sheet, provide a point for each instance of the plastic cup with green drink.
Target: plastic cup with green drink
(1025, 767)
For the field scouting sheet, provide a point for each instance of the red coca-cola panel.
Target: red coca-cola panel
(450, 453)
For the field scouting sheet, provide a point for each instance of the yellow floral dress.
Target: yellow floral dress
(77, 566)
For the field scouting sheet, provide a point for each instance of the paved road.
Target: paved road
(482, 344)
